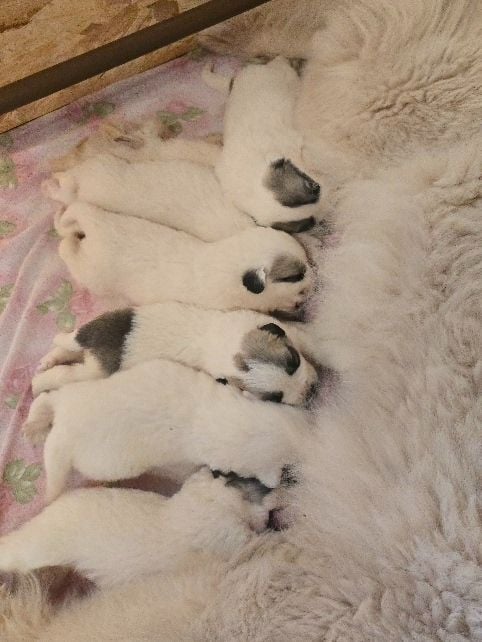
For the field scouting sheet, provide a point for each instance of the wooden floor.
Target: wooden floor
(36, 34)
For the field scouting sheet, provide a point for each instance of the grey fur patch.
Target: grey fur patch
(298, 64)
(291, 187)
(253, 281)
(295, 227)
(105, 337)
(267, 347)
(251, 488)
(288, 269)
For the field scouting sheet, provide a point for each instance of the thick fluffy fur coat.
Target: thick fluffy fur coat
(388, 543)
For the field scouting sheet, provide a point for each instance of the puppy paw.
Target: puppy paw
(35, 431)
(272, 369)
(60, 187)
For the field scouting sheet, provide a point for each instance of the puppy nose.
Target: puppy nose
(315, 189)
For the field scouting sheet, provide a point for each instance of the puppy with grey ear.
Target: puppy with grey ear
(114, 535)
(242, 348)
(260, 167)
(141, 262)
(161, 415)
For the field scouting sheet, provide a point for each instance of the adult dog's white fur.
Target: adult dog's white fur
(140, 262)
(390, 548)
(161, 415)
(94, 529)
(244, 348)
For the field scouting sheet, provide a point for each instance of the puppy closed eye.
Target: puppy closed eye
(286, 269)
(276, 397)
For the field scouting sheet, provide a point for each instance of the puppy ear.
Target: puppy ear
(272, 328)
(255, 280)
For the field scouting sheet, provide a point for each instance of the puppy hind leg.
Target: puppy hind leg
(61, 375)
(38, 543)
(39, 420)
(57, 463)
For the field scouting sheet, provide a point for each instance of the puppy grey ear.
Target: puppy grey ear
(293, 362)
(290, 186)
(294, 227)
(254, 280)
(272, 328)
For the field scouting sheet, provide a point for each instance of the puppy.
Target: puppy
(141, 262)
(179, 193)
(161, 414)
(113, 535)
(242, 348)
(261, 160)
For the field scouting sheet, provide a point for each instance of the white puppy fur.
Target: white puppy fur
(243, 348)
(181, 194)
(113, 535)
(260, 166)
(141, 262)
(161, 414)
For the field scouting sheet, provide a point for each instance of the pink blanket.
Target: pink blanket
(37, 296)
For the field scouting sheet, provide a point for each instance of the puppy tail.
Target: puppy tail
(216, 81)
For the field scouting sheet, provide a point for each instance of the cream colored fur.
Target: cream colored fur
(226, 345)
(178, 193)
(389, 549)
(140, 262)
(93, 529)
(161, 415)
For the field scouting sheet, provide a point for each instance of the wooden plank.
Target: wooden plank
(118, 52)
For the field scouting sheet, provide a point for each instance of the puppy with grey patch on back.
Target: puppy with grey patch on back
(260, 166)
(162, 415)
(139, 262)
(243, 348)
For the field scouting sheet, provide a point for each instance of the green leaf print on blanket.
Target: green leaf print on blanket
(59, 305)
(172, 119)
(6, 228)
(20, 478)
(5, 294)
(8, 175)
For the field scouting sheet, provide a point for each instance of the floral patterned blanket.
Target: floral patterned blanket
(37, 296)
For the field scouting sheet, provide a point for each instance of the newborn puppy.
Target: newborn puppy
(161, 414)
(260, 167)
(141, 262)
(179, 193)
(242, 348)
(113, 535)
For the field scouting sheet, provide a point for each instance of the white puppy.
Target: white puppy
(242, 348)
(114, 535)
(258, 167)
(161, 414)
(141, 262)
(260, 164)
(181, 194)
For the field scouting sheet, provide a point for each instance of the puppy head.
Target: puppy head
(272, 368)
(284, 197)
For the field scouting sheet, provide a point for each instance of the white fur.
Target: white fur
(114, 535)
(161, 414)
(141, 262)
(208, 340)
(259, 129)
(389, 548)
(178, 193)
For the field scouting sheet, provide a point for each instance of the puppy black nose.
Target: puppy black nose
(315, 189)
